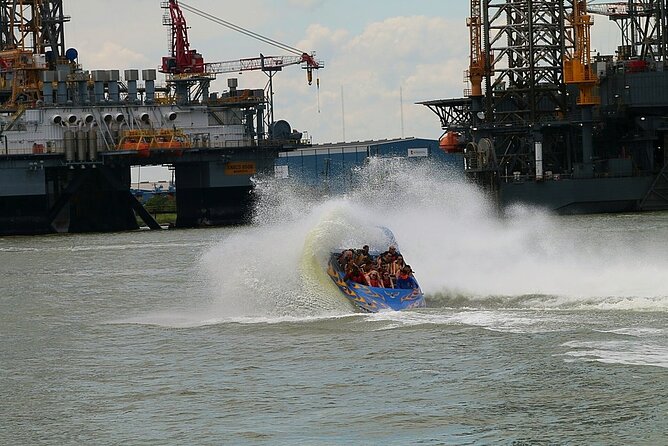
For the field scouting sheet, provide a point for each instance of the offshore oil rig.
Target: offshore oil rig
(547, 122)
(69, 137)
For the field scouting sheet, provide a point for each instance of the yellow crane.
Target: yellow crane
(577, 66)
(478, 63)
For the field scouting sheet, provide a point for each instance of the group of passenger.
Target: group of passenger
(387, 270)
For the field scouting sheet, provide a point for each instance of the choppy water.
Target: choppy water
(540, 330)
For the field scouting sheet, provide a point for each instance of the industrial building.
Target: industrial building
(330, 168)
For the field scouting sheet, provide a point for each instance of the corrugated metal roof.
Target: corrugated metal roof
(366, 143)
(349, 146)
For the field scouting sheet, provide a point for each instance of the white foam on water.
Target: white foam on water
(202, 319)
(517, 322)
(638, 331)
(641, 353)
(464, 254)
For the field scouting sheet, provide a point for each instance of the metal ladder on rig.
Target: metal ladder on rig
(656, 198)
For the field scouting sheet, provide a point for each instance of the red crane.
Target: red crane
(183, 60)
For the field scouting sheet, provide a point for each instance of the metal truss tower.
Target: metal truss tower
(643, 25)
(32, 40)
(33, 25)
(526, 97)
(525, 41)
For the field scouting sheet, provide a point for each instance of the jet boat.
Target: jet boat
(373, 299)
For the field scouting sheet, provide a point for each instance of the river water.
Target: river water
(540, 330)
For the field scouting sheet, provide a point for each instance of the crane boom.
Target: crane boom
(264, 63)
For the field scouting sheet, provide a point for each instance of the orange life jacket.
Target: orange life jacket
(375, 282)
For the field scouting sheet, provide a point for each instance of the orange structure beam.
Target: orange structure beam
(577, 67)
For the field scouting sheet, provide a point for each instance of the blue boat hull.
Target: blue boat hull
(373, 299)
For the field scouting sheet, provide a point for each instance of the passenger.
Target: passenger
(355, 275)
(397, 266)
(384, 260)
(345, 257)
(405, 279)
(349, 266)
(363, 256)
(367, 268)
(387, 280)
(392, 251)
(374, 280)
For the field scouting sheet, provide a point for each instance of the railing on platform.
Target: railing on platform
(153, 139)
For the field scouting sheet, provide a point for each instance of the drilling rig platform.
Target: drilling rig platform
(69, 137)
(547, 122)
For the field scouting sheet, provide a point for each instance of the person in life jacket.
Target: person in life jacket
(356, 275)
(392, 251)
(384, 261)
(387, 280)
(397, 266)
(374, 280)
(367, 268)
(364, 256)
(405, 279)
(345, 257)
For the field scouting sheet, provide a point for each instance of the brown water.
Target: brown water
(139, 338)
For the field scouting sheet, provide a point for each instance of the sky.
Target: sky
(381, 56)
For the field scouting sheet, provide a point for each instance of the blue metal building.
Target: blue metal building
(330, 167)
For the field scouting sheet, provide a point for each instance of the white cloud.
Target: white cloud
(106, 51)
(408, 53)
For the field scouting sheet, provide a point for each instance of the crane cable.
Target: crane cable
(240, 29)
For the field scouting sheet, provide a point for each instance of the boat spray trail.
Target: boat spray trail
(464, 253)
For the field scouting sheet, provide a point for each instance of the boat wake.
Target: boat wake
(465, 255)
(458, 300)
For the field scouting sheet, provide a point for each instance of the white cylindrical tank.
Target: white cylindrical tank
(70, 142)
(92, 144)
(71, 119)
(120, 117)
(88, 119)
(82, 145)
(171, 116)
(57, 119)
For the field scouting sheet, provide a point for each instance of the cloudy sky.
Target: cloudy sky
(375, 52)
